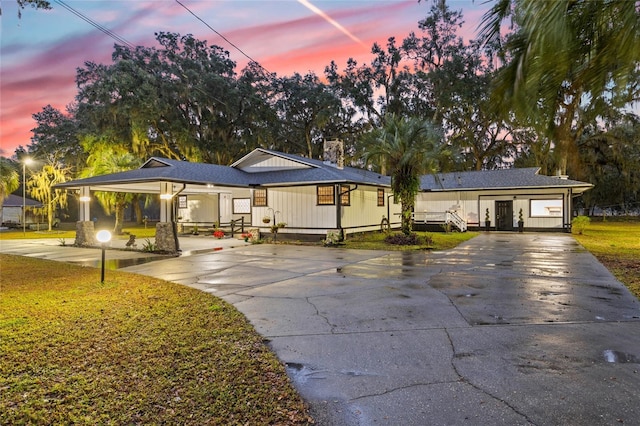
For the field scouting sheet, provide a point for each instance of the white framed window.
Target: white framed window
(241, 205)
(546, 208)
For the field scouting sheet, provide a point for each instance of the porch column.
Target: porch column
(166, 238)
(85, 231)
(165, 201)
(568, 207)
(84, 214)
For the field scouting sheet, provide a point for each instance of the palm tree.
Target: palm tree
(565, 56)
(407, 148)
(9, 178)
(105, 158)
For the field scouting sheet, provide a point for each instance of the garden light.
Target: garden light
(103, 237)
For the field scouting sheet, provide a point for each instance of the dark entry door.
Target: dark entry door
(504, 215)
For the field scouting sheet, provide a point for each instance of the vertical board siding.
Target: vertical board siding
(364, 209)
(473, 205)
(295, 206)
(273, 163)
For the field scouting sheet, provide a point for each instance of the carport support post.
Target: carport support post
(85, 230)
(165, 231)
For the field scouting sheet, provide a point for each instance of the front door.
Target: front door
(226, 213)
(504, 215)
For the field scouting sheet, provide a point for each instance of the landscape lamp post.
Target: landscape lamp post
(26, 161)
(103, 237)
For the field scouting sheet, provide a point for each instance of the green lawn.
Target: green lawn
(67, 231)
(430, 241)
(617, 246)
(134, 350)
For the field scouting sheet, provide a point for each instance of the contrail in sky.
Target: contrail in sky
(332, 21)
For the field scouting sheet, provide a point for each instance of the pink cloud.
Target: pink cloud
(286, 39)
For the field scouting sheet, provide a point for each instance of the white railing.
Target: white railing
(448, 217)
(429, 217)
(458, 222)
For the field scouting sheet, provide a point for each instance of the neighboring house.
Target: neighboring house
(546, 201)
(11, 213)
(310, 196)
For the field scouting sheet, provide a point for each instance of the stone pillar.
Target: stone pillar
(85, 234)
(165, 238)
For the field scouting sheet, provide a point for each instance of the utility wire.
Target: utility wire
(222, 36)
(105, 30)
(124, 41)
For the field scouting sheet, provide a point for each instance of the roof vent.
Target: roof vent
(334, 153)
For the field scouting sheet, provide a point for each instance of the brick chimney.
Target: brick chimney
(334, 153)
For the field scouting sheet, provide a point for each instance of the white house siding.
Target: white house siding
(11, 214)
(297, 207)
(364, 214)
(472, 205)
(272, 163)
(464, 203)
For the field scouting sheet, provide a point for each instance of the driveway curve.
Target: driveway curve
(506, 329)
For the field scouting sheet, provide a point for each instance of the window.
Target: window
(345, 195)
(241, 205)
(325, 195)
(182, 201)
(380, 197)
(546, 208)
(260, 197)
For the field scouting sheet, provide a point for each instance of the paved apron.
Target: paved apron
(506, 329)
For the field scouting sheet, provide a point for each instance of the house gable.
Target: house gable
(155, 162)
(260, 160)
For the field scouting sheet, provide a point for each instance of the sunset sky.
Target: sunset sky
(40, 52)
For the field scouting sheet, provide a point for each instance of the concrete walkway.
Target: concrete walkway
(506, 329)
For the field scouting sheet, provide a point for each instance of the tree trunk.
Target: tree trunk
(50, 215)
(137, 209)
(119, 211)
(407, 208)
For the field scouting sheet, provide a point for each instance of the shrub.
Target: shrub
(403, 239)
(149, 246)
(579, 224)
(333, 239)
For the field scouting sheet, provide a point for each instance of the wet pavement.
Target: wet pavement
(506, 329)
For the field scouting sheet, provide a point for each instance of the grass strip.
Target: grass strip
(617, 246)
(430, 241)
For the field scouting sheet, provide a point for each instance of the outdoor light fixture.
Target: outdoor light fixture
(103, 237)
(25, 162)
(85, 198)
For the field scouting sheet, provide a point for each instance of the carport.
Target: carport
(169, 179)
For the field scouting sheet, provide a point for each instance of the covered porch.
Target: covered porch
(188, 201)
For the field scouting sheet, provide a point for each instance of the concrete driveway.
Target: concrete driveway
(506, 329)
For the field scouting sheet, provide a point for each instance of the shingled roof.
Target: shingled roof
(497, 179)
(13, 200)
(156, 169)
